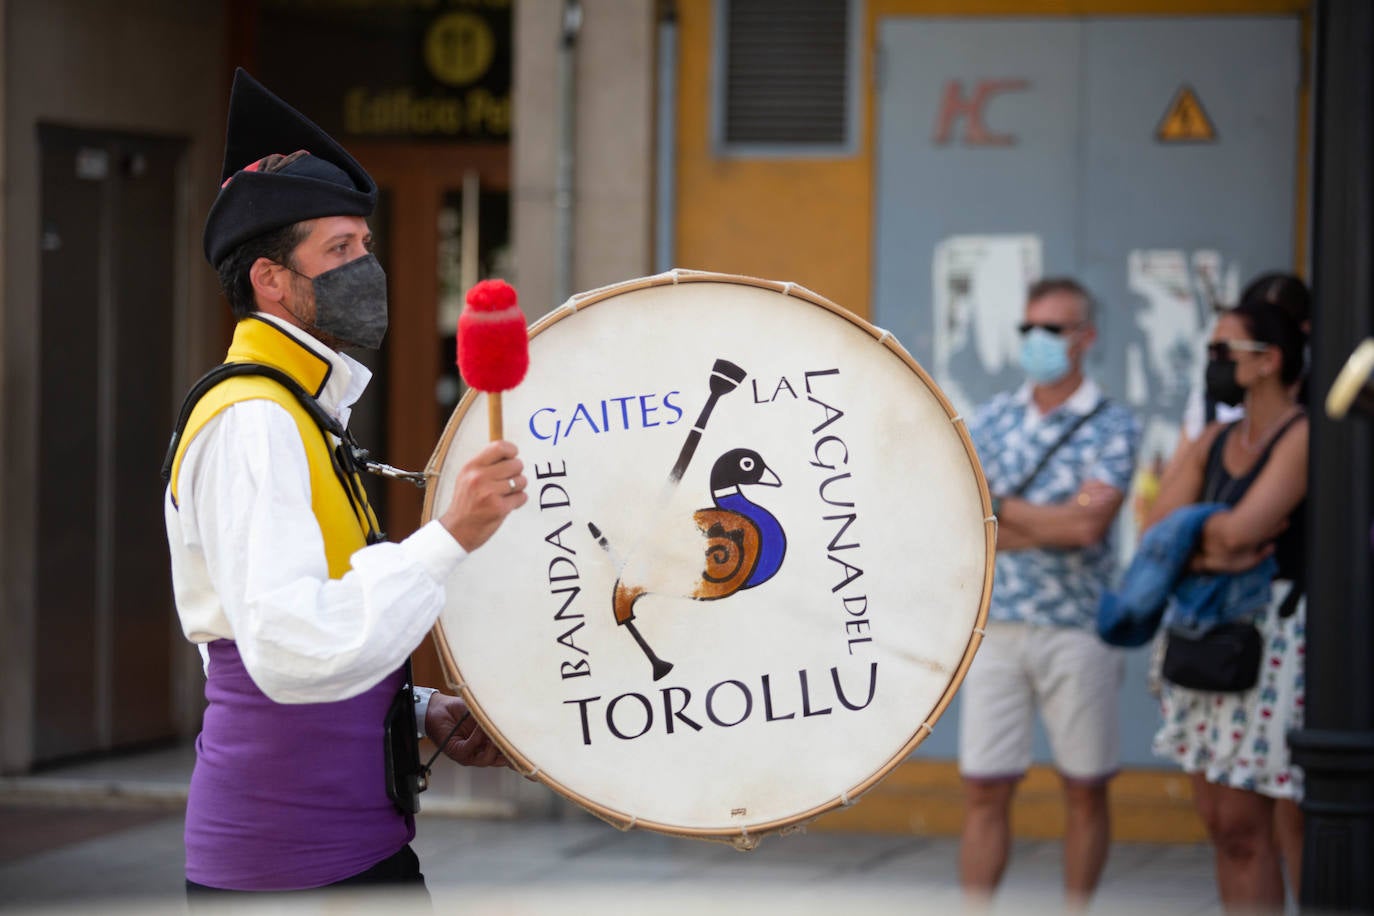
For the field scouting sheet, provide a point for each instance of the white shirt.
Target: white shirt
(248, 559)
(1083, 399)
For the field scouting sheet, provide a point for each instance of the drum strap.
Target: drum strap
(350, 459)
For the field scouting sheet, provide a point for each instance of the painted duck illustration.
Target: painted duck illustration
(753, 542)
(738, 544)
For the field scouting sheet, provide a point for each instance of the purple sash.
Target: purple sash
(284, 796)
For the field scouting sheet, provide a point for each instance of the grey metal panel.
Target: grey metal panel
(1087, 178)
(927, 193)
(1234, 196)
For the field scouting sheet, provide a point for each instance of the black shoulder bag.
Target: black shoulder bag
(1224, 658)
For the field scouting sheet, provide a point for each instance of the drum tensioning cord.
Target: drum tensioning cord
(347, 459)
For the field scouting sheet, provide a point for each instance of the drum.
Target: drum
(753, 569)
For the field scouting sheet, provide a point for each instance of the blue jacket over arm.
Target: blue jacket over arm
(1155, 580)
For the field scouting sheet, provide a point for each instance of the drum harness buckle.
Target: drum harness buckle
(364, 458)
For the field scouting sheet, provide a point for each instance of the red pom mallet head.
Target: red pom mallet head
(493, 345)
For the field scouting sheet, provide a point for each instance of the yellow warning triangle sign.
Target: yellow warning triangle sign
(1185, 121)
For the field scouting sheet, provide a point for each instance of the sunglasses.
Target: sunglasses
(1221, 349)
(1057, 330)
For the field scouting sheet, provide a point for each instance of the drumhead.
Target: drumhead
(754, 566)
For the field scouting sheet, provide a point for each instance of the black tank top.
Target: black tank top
(1290, 550)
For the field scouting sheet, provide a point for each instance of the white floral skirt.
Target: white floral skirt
(1241, 739)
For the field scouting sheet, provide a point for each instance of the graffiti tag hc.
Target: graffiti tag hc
(955, 106)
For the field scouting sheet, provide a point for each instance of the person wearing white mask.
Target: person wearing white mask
(1059, 458)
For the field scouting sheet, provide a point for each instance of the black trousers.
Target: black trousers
(399, 872)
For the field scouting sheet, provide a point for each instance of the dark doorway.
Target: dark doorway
(103, 672)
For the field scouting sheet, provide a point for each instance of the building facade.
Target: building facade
(928, 161)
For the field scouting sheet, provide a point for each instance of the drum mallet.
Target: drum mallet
(493, 345)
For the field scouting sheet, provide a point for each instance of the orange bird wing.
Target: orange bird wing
(731, 552)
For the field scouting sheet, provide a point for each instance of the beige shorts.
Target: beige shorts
(1071, 676)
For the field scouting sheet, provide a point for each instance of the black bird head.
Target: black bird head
(741, 467)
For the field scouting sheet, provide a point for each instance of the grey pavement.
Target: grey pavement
(567, 863)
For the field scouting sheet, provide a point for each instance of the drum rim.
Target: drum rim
(743, 837)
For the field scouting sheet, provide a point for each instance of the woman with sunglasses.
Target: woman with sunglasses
(1234, 745)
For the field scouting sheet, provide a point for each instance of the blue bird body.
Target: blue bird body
(772, 540)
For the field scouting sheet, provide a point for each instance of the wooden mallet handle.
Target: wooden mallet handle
(494, 428)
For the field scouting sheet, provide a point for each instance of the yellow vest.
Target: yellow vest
(344, 522)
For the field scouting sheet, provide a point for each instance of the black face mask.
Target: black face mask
(350, 302)
(1221, 382)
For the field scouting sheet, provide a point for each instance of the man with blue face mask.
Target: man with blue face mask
(306, 765)
(1058, 458)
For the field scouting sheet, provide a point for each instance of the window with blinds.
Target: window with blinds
(785, 76)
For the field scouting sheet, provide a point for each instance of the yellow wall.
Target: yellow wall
(803, 220)
(926, 798)
(810, 220)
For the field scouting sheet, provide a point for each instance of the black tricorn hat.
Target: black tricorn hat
(328, 182)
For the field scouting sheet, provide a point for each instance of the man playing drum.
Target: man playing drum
(1058, 459)
(305, 618)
